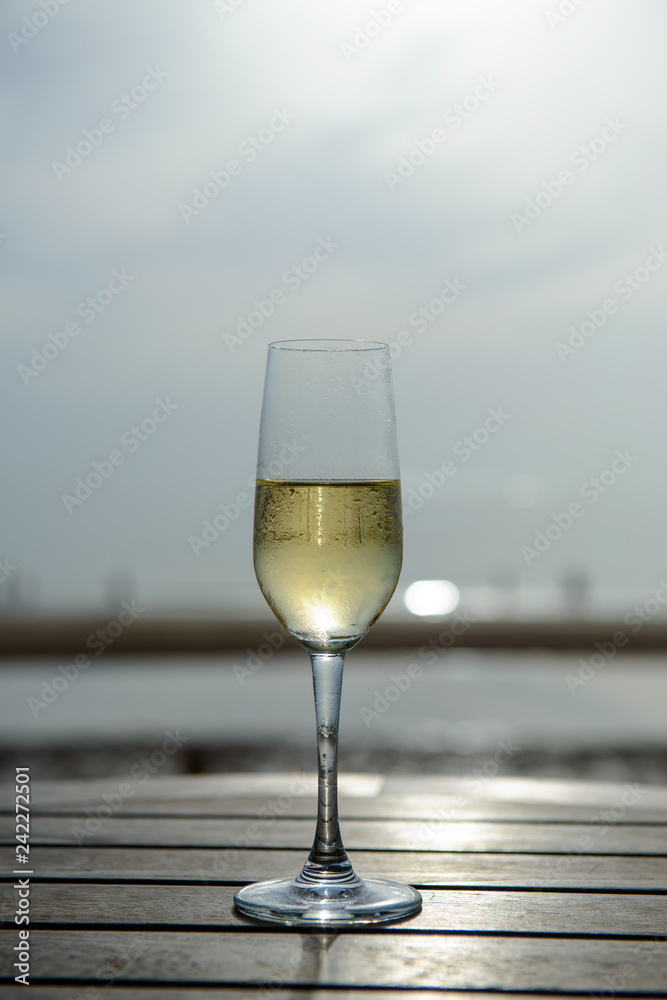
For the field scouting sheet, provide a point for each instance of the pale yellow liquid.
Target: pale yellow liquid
(328, 556)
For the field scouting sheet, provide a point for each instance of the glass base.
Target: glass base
(358, 901)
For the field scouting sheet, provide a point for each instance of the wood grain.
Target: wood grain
(221, 787)
(164, 867)
(508, 871)
(250, 993)
(454, 910)
(347, 959)
(415, 807)
(395, 835)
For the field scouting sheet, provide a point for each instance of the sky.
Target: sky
(488, 182)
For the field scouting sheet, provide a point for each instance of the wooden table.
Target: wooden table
(535, 886)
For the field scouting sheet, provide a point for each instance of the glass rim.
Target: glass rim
(319, 345)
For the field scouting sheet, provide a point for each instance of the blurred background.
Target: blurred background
(480, 185)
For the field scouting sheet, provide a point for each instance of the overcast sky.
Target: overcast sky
(481, 175)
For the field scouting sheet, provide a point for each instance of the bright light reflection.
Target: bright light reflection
(431, 597)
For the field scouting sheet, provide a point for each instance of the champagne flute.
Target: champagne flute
(327, 553)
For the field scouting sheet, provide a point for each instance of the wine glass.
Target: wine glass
(327, 553)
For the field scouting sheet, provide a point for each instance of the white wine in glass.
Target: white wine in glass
(327, 553)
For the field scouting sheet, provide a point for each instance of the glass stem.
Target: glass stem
(327, 860)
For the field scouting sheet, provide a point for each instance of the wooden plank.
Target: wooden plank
(392, 835)
(477, 789)
(523, 789)
(252, 993)
(507, 871)
(169, 788)
(454, 910)
(347, 959)
(414, 807)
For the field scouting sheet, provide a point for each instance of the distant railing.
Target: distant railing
(68, 636)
